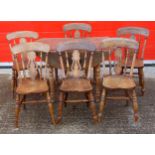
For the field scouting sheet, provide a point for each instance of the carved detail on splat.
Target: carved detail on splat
(77, 34)
(32, 65)
(23, 40)
(118, 61)
(76, 66)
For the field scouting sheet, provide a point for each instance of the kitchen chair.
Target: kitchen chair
(15, 38)
(32, 79)
(113, 79)
(77, 77)
(141, 35)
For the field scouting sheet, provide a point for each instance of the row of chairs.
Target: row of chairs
(75, 80)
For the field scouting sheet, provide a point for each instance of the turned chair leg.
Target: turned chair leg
(66, 97)
(18, 107)
(87, 103)
(14, 82)
(141, 80)
(102, 104)
(135, 105)
(92, 106)
(60, 107)
(51, 108)
(126, 95)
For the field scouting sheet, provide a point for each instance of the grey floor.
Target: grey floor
(117, 117)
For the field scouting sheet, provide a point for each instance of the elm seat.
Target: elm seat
(28, 86)
(118, 82)
(76, 85)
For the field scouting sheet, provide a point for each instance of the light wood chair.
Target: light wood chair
(32, 79)
(113, 79)
(77, 77)
(141, 35)
(16, 38)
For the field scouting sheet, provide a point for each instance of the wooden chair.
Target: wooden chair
(32, 79)
(141, 35)
(119, 51)
(77, 78)
(15, 38)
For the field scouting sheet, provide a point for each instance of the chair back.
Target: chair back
(18, 37)
(118, 54)
(137, 33)
(76, 56)
(37, 59)
(77, 30)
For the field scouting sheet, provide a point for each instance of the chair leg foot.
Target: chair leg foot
(60, 107)
(135, 106)
(141, 80)
(102, 104)
(51, 109)
(18, 106)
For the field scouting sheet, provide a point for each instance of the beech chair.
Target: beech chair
(16, 38)
(141, 35)
(77, 77)
(32, 79)
(113, 79)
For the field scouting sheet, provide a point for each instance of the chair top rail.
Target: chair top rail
(112, 43)
(77, 26)
(133, 30)
(22, 34)
(76, 45)
(31, 46)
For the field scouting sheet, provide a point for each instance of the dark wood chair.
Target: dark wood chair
(141, 35)
(113, 79)
(15, 38)
(32, 79)
(77, 77)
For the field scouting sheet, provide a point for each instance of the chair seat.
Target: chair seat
(20, 65)
(118, 82)
(76, 85)
(139, 63)
(28, 86)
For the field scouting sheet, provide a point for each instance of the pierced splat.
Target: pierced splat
(118, 61)
(77, 34)
(76, 66)
(32, 65)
